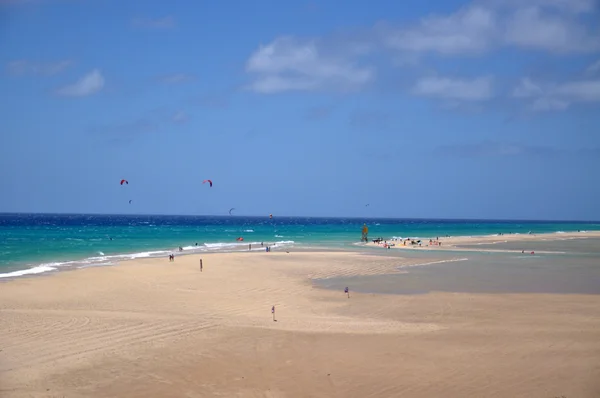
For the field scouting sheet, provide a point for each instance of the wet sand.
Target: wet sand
(580, 246)
(151, 328)
(549, 243)
(485, 273)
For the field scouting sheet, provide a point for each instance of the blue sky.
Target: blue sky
(452, 109)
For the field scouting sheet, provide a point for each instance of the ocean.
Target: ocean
(39, 243)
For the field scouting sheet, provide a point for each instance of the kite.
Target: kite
(230, 210)
(130, 201)
(209, 181)
(124, 182)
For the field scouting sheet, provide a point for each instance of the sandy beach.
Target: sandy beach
(470, 243)
(154, 328)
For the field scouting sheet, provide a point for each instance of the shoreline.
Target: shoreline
(449, 243)
(467, 243)
(168, 329)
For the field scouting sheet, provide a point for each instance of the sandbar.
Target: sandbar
(154, 328)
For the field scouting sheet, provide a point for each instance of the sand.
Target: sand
(467, 243)
(151, 328)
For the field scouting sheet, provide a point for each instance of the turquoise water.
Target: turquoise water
(37, 243)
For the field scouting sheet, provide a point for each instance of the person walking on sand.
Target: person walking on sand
(200, 265)
(273, 312)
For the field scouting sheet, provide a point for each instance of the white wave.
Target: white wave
(232, 245)
(284, 242)
(560, 232)
(248, 230)
(35, 270)
(146, 254)
(279, 236)
(115, 259)
(221, 245)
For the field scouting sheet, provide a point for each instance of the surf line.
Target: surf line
(453, 260)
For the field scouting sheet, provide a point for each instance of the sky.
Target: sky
(485, 109)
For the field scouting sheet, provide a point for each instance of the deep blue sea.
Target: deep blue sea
(38, 243)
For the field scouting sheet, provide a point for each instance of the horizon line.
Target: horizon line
(310, 217)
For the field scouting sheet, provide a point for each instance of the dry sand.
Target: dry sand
(151, 328)
(466, 243)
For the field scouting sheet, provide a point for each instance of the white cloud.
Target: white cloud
(582, 90)
(87, 85)
(574, 6)
(468, 30)
(155, 23)
(24, 67)
(478, 89)
(553, 26)
(550, 25)
(557, 97)
(531, 28)
(288, 64)
(570, 6)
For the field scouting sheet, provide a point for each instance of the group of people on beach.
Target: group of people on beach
(262, 244)
(412, 242)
